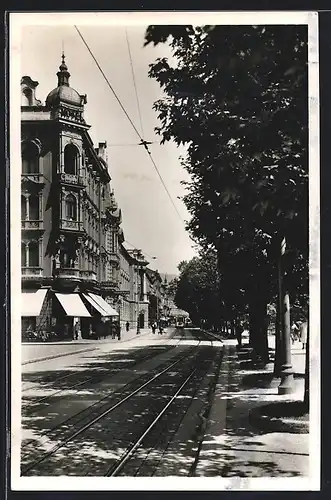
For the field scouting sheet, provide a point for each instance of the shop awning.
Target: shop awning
(110, 311)
(95, 304)
(32, 302)
(73, 305)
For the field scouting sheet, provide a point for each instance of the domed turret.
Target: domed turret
(63, 93)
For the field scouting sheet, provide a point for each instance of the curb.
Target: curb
(276, 424)
(45, 358)
(53, 356)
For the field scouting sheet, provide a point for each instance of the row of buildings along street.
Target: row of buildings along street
(77, 272)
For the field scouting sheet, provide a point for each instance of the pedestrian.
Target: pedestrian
(127, 326)
(118, 331)
(294, 332)
(160, 328)
(154, 327)
(76, 330)
(303, 333)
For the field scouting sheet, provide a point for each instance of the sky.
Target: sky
(150, 222)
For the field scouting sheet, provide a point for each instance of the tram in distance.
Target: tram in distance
(183, 322)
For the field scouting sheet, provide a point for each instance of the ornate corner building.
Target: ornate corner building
(71, 223)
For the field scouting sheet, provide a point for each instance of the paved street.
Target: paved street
(152, 405)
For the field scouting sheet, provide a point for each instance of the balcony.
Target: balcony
(113, 257)
(32, 272)
(67, 273)
(88, 275)
(37, 178)
(109, 285)
(71, 225)
(71, 179)
(33, 224)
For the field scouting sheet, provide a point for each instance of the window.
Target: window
(71, 207)
(66, 260)
(23, 255)
(33, 254)
(70, 159)
(24, 214)
(30, 158)
(34, 207)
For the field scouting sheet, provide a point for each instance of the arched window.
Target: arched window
(34, 207)
(33, 254)
(71, 207)
(70, 159)
(30, 158)
(23, 208)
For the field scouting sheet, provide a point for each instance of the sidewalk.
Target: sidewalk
(232, 447)
(39, 351)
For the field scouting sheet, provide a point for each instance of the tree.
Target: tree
(237, 98)
(198, 288)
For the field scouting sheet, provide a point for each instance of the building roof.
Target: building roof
(63, 93)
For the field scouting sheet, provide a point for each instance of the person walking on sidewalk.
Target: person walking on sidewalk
(303, 333)
(154, 327)
(127, 326)
(76, 330)
(294, 332)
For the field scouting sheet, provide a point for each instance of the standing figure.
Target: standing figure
(76, 330)
(303, 333)
(127, 326)
(153, 327)
(294, 332)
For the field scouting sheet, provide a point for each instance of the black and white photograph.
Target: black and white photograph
(164, 208)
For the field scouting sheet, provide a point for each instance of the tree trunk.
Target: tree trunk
(278, 349)
(238, 333)
(258, 332)
(306, 395)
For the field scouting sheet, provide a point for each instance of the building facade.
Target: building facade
(133, 285)
(70, 248)
(154, 294)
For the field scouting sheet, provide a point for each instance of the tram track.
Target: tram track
(145, 455)
(54, 431)
(93, 414)
(34, 405)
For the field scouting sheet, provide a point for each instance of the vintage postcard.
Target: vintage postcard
(164, 194)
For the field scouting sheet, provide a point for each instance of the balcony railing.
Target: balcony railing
(88, 275)
(71, 225)
(113, 256)
(109, 284)
(36, 177)
(32, 224)
(72, 179)
(32, 272)
(67, 272)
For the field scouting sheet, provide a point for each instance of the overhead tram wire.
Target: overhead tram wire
(134, 82)
(142, 141)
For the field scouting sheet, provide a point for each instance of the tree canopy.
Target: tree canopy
(236, 96)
